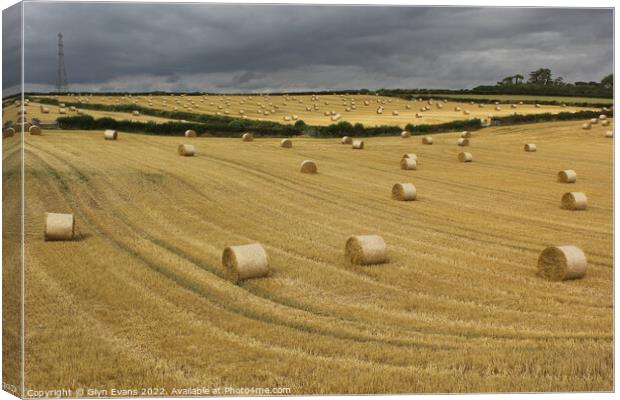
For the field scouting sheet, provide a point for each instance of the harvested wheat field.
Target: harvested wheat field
(320, 109)
(140, 298)
(35, 111)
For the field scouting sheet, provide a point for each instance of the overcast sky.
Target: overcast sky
(232, 48)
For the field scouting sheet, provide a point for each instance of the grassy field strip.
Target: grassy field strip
(517, 97)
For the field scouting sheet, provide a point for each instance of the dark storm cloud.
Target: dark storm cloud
(112, 46)
(11, 50)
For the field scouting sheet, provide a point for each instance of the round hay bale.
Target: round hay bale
(135, 112)
(605, 122)
(457, 108)
(427, 140)
(394, 112)
(186, 150)
(62, 110)
(110, 134)
(559, 263)
(574, 201)
(405, 134)
(609, 134)
(365, 250)
(308, 167)
(246, 261)
(286, 143)
(346, 140)
(247, 137)
(358, 144)
(190, 133)
(513, 106)
(404, 191)
(35, 130)
(59, 226)
(530, 147)
(594, 121)
(567, 176)
(8, 132)
(537, 105)
(463, 142)
(45, 110)
(466, 112)
(408, 163)
(587, 125)
(465, 157)
(466, 134)
(413, 156)
(602, 117)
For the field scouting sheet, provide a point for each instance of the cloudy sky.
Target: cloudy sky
(232, 48)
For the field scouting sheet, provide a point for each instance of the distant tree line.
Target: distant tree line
(542, 82)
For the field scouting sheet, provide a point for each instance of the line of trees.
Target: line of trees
(541, 81)
(543, 76)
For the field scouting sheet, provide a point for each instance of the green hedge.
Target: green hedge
(458, 125)
(563, 116)
(87, 122)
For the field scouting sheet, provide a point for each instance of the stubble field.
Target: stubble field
(35, 111)
(288, 109)
(140, 299)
